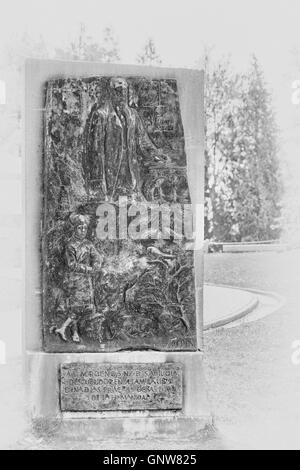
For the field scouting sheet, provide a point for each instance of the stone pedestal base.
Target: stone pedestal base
(45, 410)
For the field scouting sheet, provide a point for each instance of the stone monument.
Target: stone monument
(114, 281)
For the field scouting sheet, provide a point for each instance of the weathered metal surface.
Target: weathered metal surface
(107, 138)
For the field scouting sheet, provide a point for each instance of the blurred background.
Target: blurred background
(250, 52)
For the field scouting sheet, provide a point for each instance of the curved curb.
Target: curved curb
(245, 310)
(247, 247)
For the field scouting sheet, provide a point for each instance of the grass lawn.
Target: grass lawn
(253, 386)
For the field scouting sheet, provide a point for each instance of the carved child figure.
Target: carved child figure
(82, 260)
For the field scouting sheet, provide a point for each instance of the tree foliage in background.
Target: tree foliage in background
(243, 187)
(290, 220)
(149, 54)
(85, 48)
(222, 105)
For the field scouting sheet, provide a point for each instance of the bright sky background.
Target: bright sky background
(180, 29)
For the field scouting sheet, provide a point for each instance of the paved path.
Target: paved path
(221, 306)
(253, 385)
(224, 304)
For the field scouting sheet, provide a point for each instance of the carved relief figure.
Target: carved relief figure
(82, 261)
(119, 149)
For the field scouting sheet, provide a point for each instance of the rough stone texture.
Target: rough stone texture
(44, 295)
(107, 137)
(94, 387)
(42, 369)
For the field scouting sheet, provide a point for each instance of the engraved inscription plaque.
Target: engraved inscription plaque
(95, 387)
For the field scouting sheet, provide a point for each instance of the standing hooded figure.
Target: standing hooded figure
(118, 148)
